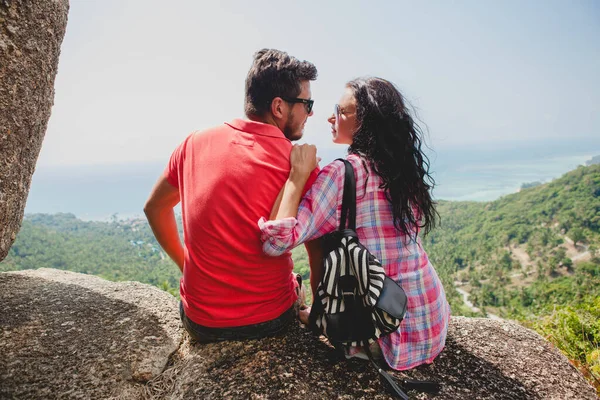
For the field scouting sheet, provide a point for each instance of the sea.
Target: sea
(104, 192)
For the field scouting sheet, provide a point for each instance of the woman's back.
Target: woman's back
(422, 334)
(393, 181)
(375, 223)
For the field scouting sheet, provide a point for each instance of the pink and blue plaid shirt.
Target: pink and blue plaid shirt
(422, 333)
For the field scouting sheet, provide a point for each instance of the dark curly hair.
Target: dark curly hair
(390, 140)
(274, 73)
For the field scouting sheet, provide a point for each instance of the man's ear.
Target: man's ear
(277, 107)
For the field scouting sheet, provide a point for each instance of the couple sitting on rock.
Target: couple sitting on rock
(248, 196)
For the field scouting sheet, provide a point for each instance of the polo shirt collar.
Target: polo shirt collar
(256, 128)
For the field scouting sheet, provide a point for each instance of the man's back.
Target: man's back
(228, 177)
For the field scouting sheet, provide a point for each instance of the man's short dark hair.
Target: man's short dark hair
(274, 73)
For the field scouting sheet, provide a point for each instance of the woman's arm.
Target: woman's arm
(303, 160)
(316, 215)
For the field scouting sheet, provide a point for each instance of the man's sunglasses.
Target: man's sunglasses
(307, 103)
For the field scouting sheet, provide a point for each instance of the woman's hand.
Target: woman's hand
(303, 160)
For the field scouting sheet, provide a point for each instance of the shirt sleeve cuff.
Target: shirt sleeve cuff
(277, 236)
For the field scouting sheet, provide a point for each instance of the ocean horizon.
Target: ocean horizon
(104, 192)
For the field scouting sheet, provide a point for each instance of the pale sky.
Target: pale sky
(136, 77)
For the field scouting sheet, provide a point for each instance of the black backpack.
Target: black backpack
(356, 302)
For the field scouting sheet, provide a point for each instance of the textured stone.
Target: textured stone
(31, 33)
(483, 359)
(68, 335)
(72, 335)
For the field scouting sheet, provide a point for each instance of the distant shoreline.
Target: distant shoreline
(97, 193)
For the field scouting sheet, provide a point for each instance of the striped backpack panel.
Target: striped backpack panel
(352, 262)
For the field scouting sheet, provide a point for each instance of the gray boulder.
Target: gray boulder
(483, 359)
(30, 36)
(68, 335)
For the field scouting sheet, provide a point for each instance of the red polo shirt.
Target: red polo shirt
(228, 177)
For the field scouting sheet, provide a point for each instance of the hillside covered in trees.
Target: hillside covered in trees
(531, 256)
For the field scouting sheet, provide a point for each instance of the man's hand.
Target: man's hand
(303, 160)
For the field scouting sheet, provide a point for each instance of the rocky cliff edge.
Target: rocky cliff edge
(68, 335)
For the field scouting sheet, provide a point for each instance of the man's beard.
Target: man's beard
(289, 131)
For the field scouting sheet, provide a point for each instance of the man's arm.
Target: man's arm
(161, 217)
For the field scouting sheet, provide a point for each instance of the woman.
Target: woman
(393, 205)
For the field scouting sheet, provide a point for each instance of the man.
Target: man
(227, 178)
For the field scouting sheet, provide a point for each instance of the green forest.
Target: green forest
(531, 256)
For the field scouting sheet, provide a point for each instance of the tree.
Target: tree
(593, 249)
(576, 235)
(568, 263)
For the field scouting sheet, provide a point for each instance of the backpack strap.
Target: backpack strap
(395, 388)
(408, 384)
(349, 197)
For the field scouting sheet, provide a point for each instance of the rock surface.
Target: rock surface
(30, 36)
(483, 359)
(67, 335)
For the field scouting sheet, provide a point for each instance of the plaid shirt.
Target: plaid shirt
(422, 333)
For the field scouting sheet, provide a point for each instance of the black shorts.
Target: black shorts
(204, 334)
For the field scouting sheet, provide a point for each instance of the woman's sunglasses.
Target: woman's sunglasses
(336, 112)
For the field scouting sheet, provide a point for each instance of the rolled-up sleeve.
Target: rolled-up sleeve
(318, 214)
